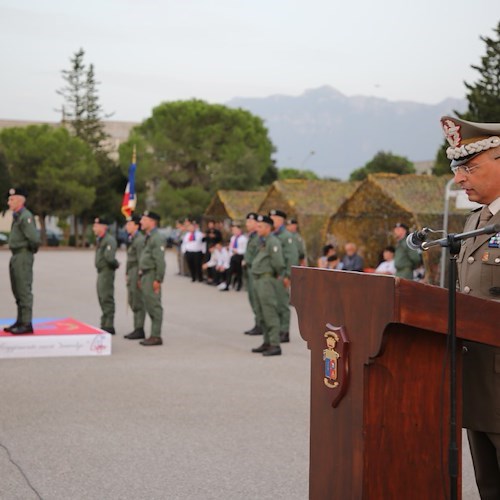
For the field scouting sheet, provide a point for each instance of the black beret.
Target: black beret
(292, 221)
(152, 215)
(252, 215)
(402, 224)
(135, 219)
(17, 191)
(102, 220)
(279, 213)
(266, 219)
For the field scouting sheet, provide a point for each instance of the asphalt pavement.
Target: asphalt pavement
(200, 417)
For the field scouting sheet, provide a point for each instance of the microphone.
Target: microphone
(414, 240)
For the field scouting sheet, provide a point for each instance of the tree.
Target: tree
(56, 169)
(83, 116)
(383, 162)
(483, 96)
(294, 173)
(196, 144)
(4, 172)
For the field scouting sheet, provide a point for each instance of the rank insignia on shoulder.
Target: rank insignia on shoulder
(275, 249)
(494, 241)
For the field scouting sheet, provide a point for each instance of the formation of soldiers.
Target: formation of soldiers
(271, 251)
(145, 271)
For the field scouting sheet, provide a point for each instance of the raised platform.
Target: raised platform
(54, 337)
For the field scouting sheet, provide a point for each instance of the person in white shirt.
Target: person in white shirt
(387, 265)
(237, 247)
(193, 247)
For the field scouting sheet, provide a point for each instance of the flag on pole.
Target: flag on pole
(129, 197)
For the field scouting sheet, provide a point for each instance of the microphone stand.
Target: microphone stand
(453, 242)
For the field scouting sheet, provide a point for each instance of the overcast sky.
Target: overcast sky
(149, 51)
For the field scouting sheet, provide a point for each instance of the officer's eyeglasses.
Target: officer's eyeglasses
(468, 169)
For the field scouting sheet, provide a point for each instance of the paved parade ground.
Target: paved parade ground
(200, 417)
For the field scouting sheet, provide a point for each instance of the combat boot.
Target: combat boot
(22, 329)
(274, 350)
(9, 328)
(256, 330)
(262, 348)
(137, 334)
(284, 337)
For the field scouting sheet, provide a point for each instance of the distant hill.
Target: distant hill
(346, 132)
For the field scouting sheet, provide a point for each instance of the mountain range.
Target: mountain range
(331, 134)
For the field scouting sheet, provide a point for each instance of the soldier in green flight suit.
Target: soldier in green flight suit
(136, 242)
(106, 265)
(291, 257)
(293, 229)
(23, 243)
(268, 268)
(250, 253)
(151, 272)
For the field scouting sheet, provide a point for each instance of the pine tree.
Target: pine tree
(484, 95)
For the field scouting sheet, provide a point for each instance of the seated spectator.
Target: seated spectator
(387, 265)
(332, 261)
(328, 250)
(351, 261)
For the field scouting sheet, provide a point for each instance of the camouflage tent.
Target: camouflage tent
(368, 216)
(311, 202)
(233, 205)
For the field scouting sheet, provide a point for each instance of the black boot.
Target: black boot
(22, 328)
(256, 330)
(284, 336)
(9, 328)
(109, 329)
(274, 350)
(262, 348)
(137, 334)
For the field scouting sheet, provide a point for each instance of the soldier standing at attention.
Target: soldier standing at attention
(267, 266)
(136, 242)
(475, 161)
(250, 253)
(151, 272)
(405, 259)
(293, 229)
(23, 243)
(291, 257)
(106, 265)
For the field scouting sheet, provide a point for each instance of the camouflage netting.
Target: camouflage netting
(311, 203)
(233, 205)
(368, 216)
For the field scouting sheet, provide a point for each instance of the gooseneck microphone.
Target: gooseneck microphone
(414, 240)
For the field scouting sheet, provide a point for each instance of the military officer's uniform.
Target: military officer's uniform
(106, 265)
(405, 259)
(23, 243)
(299, 242)
(291, 258)
(135, 247)
(152, 268)
(250, 253)
(478, 266)
(268, 267)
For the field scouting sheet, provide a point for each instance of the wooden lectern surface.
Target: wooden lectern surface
(387, 437)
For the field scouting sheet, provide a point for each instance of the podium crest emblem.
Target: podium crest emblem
(336, 361)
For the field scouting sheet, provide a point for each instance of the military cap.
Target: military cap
(402, 224)
(151, 215)
(17, 191)
(134, 218)
(266, 219)
(252, 215)
(468, 139)
(279, 213)
(102, 220)
(292, 221)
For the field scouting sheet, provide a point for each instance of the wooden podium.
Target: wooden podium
(380, 382)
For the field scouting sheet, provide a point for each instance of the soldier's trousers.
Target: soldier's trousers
(106, 296)
(283, 306)
(152, 303)
(135, 298)
(21, 281)
(266, 295)
(251, 298)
